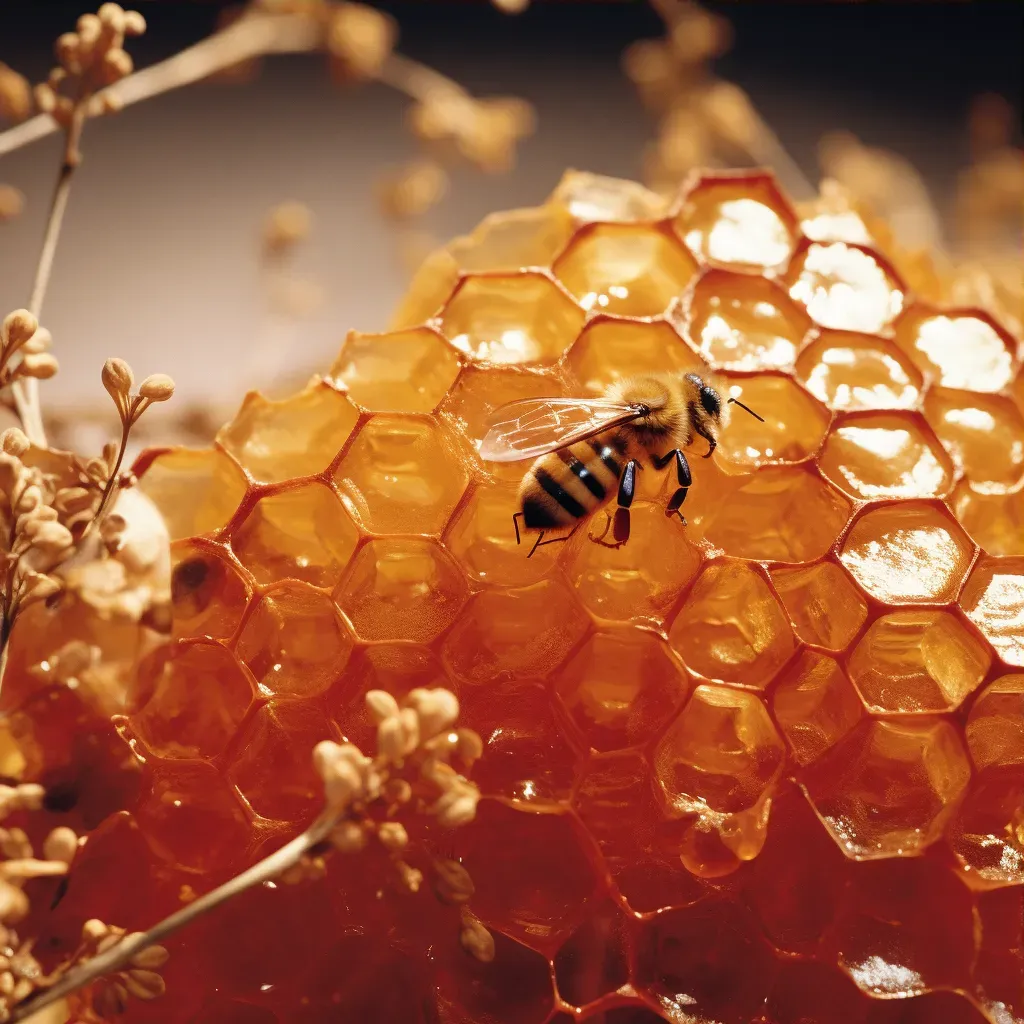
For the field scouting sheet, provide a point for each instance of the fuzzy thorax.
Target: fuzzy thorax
(668, 421)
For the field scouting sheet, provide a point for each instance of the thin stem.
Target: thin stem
(119, 955)
(108, 487)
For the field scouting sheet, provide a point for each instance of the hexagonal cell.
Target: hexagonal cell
(610, 349)
(514, 318)
(401, 475)
(401, 371)
(532, 875)
(994, 601)
(621, 688)
(639, 843)
(984, 433)
(745, 323)
(513, 239)
(428, 291)
(708, 961)
(987, 834)
(731, 627)
(640, 580)
(275, 782)
(297, 436)
(907, 552)
(823, 604)
(593, 961)
(886, 455)
(304, 533)
(743, 222)
(188, 701)
(630, 270)
(927, 1008)
(815, 705)
(888, 788)
(918, 660)
(208, 596)
(515, 633)
(196, 491)
(192, 819)
(597, 197)
(845, 288)
(995, 726)
(401, 588)
(781, 513)
(722, 751)
(294, 642)
(807, 991)
(482, 538)
(995, 521)
(999, 972)
(851, 371)
(794, 422)
(961, 350)
(919, 916)
(526, 758)
(481, 390)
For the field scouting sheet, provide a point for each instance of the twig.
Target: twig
(118, 955)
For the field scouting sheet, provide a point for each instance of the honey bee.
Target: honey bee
(587, 449)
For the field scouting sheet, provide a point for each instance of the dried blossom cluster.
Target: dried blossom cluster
(412, 773)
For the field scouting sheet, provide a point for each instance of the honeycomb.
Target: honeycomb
(765, 767)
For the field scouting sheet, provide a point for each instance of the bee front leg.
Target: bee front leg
(682, 476)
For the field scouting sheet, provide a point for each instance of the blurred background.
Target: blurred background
(161, 259)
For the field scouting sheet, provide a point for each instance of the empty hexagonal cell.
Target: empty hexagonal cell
(845, 288)
(631, 270)
(401, 588)
(918, 660)
(888, 788)
(401, 475)
(823, 604)
(526, 757)
(482, 538)
(188, 701)
(294, 642)
(731, 626)
(304, 533)
(296, 436)
(999, 972)
(196, 491)
(208, 595)
(275, 782)
(514, 318)
(596, 197)
(745, 323)
(994, 601)
(781, 513)
(593, 961)
(858, 371)
(995, 726)
(609, 350)
(742, 221)
(962, 350)
(794, 422)
(640, 580)
(995, 521)
(522, 632)
(402, 371)
(907, 552)
(532, 875)
(709, 961)
(984, 433)
(428, 291)
(815, 705)
(513, 239)
(620, 688)
(192, 819)
(987, 833)
(886, 455)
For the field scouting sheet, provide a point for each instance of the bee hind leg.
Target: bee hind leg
(540, 542)
(672, 508)
(515, 523)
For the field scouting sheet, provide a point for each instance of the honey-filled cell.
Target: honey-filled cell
(208, 593)
(590, 197)
(994, 520)
(745, 323)
(824, 605)
(993, 599)
(995, 725)
(987, 831)
(593, 961)
(511, 240)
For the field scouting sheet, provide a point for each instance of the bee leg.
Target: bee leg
(540, 542)
(682, 466)
(627, 483)
(604, 532)
(712, 443)
(515, 523)
(674, 502)
(620, 528)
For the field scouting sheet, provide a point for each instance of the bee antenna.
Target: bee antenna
(736, 401)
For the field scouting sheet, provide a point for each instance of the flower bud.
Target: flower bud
(14, 442)
(134, 23)
(117, 64)
(118, 379)
(381, 705)
(477, 940)
(112, 17)
(157, 387)
(40, 365)
(18, 327)
(61, 844)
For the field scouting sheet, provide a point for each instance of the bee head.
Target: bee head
(705, 397)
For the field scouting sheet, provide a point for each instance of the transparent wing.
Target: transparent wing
(533, 426)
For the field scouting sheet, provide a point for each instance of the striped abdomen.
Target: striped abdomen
(571, 483)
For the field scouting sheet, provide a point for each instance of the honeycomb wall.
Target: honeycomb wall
(767, 767)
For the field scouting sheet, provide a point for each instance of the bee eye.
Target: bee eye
(710, 400)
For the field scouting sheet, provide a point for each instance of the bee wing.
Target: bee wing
(534, 426)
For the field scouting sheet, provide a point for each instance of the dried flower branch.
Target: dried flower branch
(412, 773)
